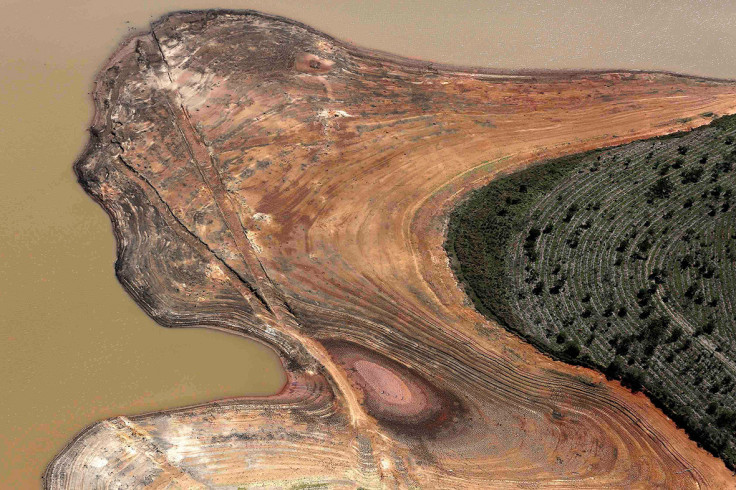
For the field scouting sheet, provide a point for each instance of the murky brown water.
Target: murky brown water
(73, 347)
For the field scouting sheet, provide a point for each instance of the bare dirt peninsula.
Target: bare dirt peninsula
(266, 179)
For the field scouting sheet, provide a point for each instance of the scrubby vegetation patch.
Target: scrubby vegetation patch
(621, 259)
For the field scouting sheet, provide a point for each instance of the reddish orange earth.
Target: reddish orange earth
(266, 179)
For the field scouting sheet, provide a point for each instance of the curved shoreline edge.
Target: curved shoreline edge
(302, 361)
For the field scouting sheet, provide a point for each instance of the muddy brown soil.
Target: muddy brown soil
(267, 179)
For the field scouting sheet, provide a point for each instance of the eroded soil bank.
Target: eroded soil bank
(266, 178)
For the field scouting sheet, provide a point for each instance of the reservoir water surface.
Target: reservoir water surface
(74, 348)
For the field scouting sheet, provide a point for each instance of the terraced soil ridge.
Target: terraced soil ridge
(267, 179)
(621, 259)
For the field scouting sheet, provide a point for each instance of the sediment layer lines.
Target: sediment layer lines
(327, 175)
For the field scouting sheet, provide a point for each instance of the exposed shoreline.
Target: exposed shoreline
(297, 360)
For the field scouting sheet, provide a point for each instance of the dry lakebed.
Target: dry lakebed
(268, 180)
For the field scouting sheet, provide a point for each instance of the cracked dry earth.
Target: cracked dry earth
(269, 180)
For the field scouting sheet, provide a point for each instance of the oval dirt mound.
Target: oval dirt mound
(394, 395)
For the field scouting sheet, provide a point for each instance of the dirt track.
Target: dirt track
(272, 181)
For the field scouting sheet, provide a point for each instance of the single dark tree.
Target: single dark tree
(661, 189)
